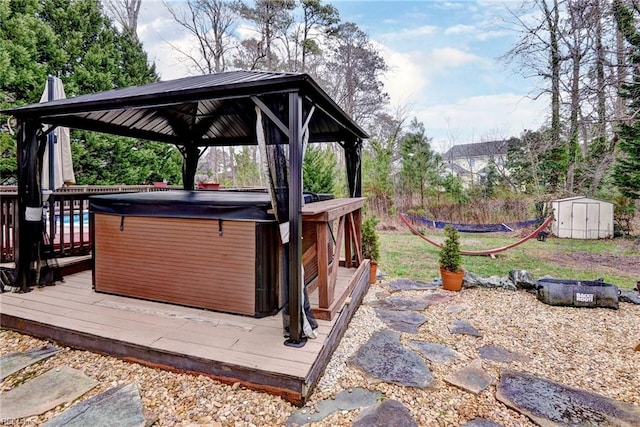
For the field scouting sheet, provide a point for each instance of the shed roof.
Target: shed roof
(214, 109)
(576, 198)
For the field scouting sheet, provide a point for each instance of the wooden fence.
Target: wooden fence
(65, 219)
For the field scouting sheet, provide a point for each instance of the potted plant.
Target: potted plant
(451, 260)
(371, 245)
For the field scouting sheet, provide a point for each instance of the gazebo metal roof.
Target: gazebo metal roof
(216, 109)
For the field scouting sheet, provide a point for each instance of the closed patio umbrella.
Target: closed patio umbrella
(57, 165)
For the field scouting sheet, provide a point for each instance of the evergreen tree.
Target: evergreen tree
(73, 40)
(626, 173)
(419, 163)
(319, 169)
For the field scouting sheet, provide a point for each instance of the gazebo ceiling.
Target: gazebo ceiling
(216, 109)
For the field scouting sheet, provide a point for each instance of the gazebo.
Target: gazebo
(194, 113)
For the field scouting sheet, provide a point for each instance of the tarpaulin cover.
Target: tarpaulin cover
(186, 204)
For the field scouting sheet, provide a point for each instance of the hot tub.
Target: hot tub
(210, 249)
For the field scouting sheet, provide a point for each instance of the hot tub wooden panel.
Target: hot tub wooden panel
(177, 260)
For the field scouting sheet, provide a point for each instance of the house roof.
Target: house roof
(479, 149)
(214, 109)
(457, 169)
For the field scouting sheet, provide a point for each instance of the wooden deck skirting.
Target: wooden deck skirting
(226, 347)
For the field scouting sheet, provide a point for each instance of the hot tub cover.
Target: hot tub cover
(186, 204)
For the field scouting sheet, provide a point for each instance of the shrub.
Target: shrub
(450, 257)
(370, 242)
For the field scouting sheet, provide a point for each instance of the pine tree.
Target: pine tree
(626, 173)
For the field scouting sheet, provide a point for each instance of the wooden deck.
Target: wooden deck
(226, 347)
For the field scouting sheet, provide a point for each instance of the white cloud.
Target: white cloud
(478, 118)
(410, 33)
(459, 29)
(406, 77)
(451, 57)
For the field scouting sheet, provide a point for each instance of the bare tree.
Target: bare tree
(538, 50)
(211, 23)
(125, 13)
(353, 73)
(578, 39)
(272, 19)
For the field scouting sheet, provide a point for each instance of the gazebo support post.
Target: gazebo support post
(353, 155)
(191, 155)
(28, 230)
(295, 219)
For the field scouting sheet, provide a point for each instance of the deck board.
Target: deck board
(231, 348)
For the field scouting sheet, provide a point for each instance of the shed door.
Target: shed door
(585, 220)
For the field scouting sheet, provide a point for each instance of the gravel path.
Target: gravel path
(591, 349)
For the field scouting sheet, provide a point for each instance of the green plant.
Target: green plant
(450, 258)
(370, 241)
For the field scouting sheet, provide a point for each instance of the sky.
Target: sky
(443, 58)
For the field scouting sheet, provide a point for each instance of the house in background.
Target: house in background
(471, 161)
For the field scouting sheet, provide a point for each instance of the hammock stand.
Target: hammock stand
(490, 252)
(476, 228)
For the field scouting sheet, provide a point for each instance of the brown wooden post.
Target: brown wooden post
(322, 236)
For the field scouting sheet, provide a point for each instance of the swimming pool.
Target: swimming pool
(66, 219)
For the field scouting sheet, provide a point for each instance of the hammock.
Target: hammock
(476, 228)
(489, 252)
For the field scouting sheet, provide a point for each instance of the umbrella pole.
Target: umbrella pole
(51, 137)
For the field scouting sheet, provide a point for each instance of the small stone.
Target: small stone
(522, 279)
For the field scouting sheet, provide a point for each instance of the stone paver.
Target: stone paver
(346, 400)
(45, 392)
(384, 358)
(463, 327)
(436, 353)
(400, 303)
(385, 414)
(411, 285)
(499, 354)
(481, 422)
(402, 321)
(549, 403)
(119, 406)
(12, 363)
(471, 378)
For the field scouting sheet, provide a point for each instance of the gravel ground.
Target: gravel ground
(591, 349)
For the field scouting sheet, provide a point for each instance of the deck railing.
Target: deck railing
(65, 218)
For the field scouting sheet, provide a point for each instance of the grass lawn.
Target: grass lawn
(617, 261)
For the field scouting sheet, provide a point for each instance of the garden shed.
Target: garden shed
(582, 218)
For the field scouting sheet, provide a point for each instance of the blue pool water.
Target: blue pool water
(66, 219)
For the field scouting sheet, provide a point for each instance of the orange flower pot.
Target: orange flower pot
(451, 281)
